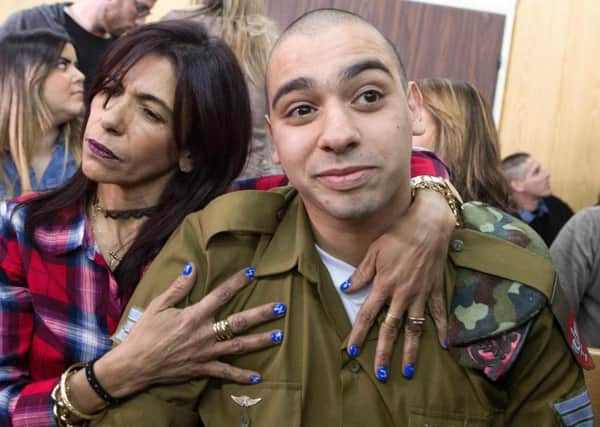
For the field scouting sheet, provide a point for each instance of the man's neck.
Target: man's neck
(88, 15)
(527, 202)
(349, 240)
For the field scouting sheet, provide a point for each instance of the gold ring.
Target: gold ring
(222, 330)
(392, 321)
(415, 324)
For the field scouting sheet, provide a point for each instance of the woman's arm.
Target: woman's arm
(170, 345)
(405, 267)
(22, 401)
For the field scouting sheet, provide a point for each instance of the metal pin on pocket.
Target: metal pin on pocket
(245, 402)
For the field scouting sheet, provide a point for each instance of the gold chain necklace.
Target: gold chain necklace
(113, 255)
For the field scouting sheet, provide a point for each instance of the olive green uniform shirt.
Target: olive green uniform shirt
(309, 379)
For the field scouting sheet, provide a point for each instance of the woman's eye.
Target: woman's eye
(152, 115)
(62, 64)
(369, 97)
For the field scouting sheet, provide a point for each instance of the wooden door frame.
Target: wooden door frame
(502, 7)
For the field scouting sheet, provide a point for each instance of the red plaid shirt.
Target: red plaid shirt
(59, 303)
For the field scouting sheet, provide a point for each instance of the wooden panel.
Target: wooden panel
(285, 11)
(434, 41)
(552, 99)
(437, 41)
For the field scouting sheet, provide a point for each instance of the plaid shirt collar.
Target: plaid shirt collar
(69, 231)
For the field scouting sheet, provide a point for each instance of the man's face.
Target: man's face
(535, 181)
(123, 15)
(340, 122)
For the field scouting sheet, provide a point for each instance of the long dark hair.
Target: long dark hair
(211, 119)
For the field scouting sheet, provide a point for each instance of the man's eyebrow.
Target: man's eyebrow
(362, 66)
(151, 98)
(299, 83)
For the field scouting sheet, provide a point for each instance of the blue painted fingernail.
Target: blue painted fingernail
(255, 379)
(383, 374)
(346, 285)
(446, 345)
(353, 351)
(187, 270)
(277, 336)
(279, 310)
(250, 273)
(409, 371)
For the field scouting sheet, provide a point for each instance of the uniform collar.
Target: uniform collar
(292, 245)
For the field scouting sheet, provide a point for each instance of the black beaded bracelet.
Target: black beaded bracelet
(93, 381)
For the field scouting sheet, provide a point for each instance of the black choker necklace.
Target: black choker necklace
(126, 213)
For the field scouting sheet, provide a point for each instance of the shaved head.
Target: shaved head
(316, 21)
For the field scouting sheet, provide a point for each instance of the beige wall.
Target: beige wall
(552, 97)
(9, 6)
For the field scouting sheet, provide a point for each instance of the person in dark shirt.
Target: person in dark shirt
(92, 25)
(530, 191)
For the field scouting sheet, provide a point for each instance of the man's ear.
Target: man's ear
(185, 161)
(415, 105)
(515, 186)
(275, 155)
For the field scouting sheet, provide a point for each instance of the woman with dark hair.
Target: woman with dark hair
(158, 144)
(250, 33)
(167, 130)
(42, 100)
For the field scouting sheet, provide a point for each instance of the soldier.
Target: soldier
(341, 118)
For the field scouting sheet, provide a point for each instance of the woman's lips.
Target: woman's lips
(100, 150)
(345, 179)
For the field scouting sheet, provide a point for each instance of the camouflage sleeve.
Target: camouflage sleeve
(546, 386)
(168, 405)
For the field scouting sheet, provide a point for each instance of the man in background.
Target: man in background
(92, 25)
(530, 190)
(576, 256)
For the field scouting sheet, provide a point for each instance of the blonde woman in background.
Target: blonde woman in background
(42, 99)
(460, 129)
(243, 25)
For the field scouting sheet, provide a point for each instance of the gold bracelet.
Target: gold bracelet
(65, 413)
(442, 186)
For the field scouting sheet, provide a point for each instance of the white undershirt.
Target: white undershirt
(340, 271)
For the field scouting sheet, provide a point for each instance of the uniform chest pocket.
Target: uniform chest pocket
(451, 420)
(261, 405)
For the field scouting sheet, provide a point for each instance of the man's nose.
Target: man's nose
(339, 129)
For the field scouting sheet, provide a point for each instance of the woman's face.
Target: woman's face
(128, 140)
(63, 88)
(427, 139)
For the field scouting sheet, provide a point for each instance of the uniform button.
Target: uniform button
(457, 245)
(354, 366)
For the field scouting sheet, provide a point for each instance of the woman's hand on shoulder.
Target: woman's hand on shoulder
(170, 344)
(405, 267)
